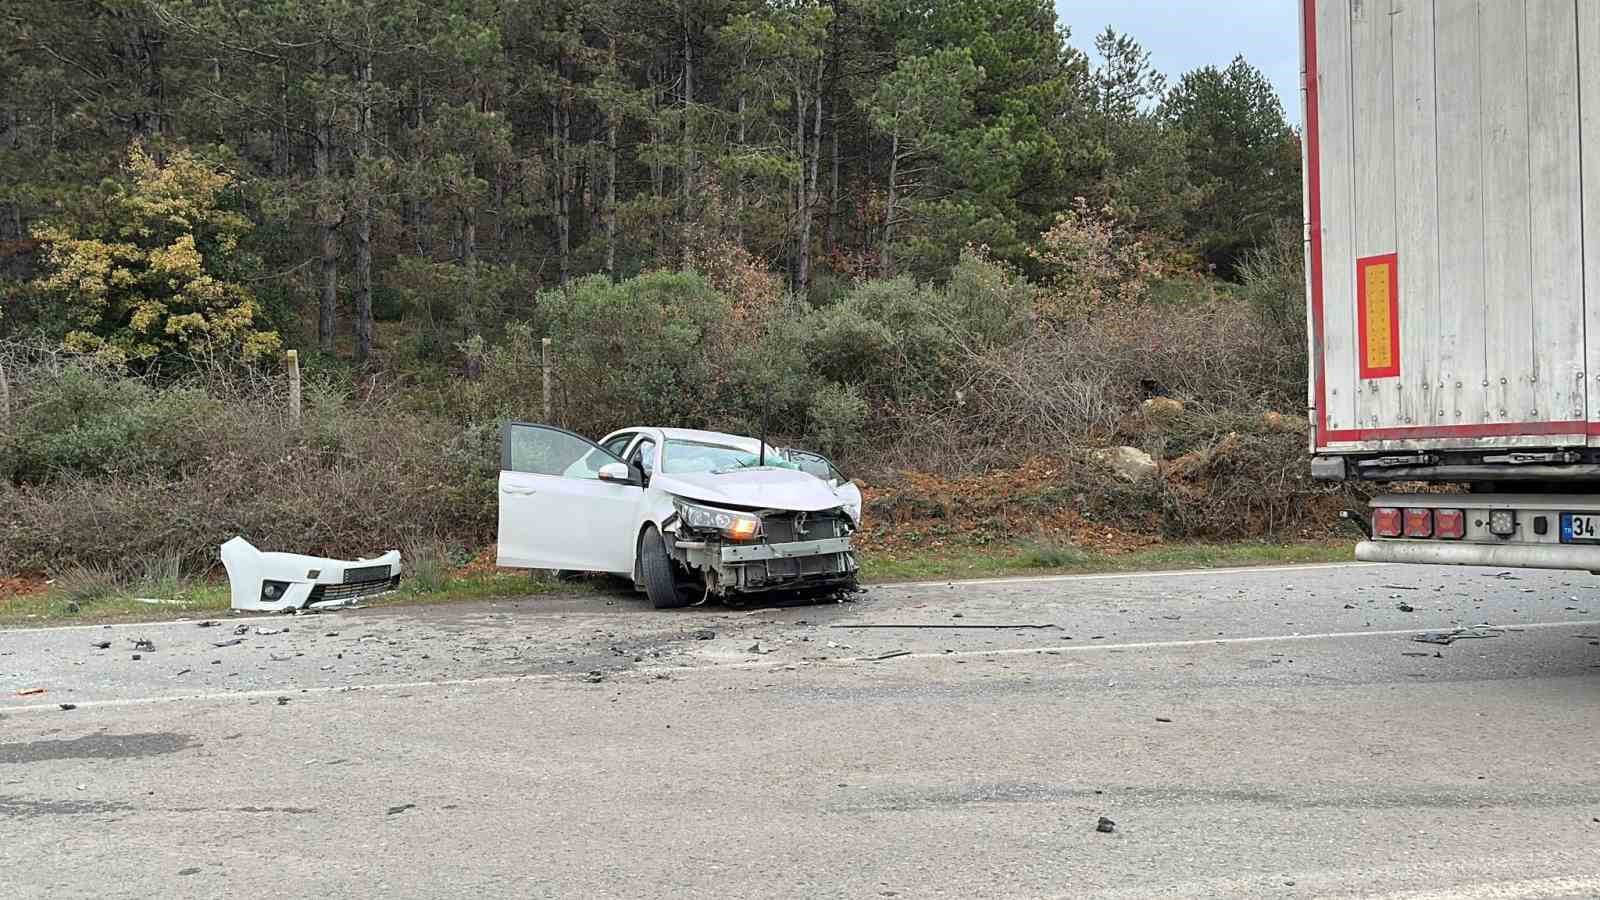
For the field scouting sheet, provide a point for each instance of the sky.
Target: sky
(1186, 34)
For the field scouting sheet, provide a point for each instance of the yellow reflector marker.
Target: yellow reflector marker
(1378, 315)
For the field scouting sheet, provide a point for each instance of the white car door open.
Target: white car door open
(556, 512)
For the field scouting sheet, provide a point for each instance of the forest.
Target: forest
(917, 234)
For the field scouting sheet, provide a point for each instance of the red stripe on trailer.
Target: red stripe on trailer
(1422, 432)
(1314, 215)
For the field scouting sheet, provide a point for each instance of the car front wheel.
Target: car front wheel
(660, 582)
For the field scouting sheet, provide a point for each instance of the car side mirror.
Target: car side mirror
(616, 472)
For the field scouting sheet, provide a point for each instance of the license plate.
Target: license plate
(1580, 528)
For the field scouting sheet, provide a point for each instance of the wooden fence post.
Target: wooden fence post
(544, 347)
(294, 387)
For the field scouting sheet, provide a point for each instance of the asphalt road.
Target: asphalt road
(1272, 733)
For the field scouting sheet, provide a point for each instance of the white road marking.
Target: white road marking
(625, 675)
(1116, 576)
(1531, 889)
(1216, 641)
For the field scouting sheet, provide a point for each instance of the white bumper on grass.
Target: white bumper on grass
(274, 582)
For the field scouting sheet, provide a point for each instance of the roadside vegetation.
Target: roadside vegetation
(1045, 306)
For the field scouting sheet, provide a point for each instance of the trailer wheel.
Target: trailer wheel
(660, 582)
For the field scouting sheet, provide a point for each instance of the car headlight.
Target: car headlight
(734, 525)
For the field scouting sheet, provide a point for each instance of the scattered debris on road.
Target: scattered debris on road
(595, 677)
(1163, 720)
(209, 623)
(283, 701)
(703, 634)
(241, 629)
(144, 644)
(68, 706)
(892, 655)
(1405, 607)
(759, 650)
(1105, 826)
(396, 810)
(268, 632)
(231, 642)
(101, 645)
(1401, 587)
(1447, 638)
(946, 625)
(28, 692)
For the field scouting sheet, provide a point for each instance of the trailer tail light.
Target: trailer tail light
(1386, 522)
(1419, 523)
(1449, 524)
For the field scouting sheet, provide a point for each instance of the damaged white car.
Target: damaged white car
(685, 514)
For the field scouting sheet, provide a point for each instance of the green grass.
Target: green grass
(1044, 560)
(81, 599)
(93, 596)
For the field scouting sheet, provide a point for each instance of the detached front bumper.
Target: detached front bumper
(273, 582)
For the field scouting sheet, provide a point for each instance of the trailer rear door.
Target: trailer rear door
(1446, 148)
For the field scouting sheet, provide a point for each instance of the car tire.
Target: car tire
(660, 582)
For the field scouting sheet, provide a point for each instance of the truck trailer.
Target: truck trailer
(1452, 211)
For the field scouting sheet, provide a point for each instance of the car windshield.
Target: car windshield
(688, 457)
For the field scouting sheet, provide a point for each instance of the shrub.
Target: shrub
(158, 270)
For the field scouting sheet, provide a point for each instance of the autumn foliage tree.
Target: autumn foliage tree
(155, 269)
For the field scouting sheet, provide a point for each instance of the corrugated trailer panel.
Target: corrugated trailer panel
(1445, 221)
(1589, 129)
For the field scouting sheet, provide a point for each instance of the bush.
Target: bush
(90, 422)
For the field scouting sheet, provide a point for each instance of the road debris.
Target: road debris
(396, 810)
(268, 632)
(68, 706)
(892, 655)
(759, 650)
(144, 644)
(28, 692)
(595, 677)
(1447, 638)
(209, 623)
(703, 634)
(946, 625)
(1163, 720)
(1105, 826)
(283, 701)
(241, 629)
(101, 645)
(1401, 587)
(231, 642)
(1405, 607)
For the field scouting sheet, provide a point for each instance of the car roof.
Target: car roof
(703, 437)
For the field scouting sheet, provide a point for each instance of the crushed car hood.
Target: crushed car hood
(766, 488)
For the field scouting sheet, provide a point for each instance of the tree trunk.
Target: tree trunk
(328, 296)
(809, 192)
(833, 182)
(364, 218)
(685, 186)
(611, 196)
(281, 161)
(738, 182)
(885, 265)
(558, 136)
